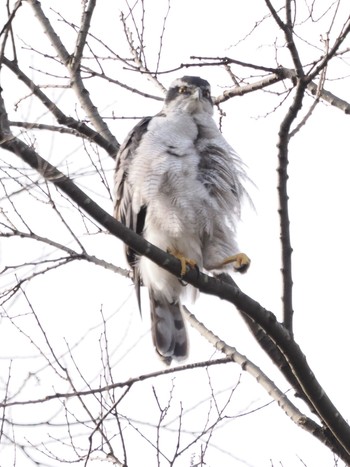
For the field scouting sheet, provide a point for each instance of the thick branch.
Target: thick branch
(270, 348)
(282, 400)
(327, 96)
(279, 334)
(283, 205)
(247, 88)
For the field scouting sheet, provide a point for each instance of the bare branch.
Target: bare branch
(74, 255)
(162, 37)
(122, 85)
(51, 128)
(138, 51)
(82, 35)
(266, 320)
(284, 136)
(130, 382)
(59, 115)
(329, 97)
(332, 52)
(276, 75)
(313, 106)
(76, 80)
(7, 28)
(104, 427)
(270, 387)
(288, 29)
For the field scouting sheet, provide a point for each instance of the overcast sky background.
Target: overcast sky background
(69, 300)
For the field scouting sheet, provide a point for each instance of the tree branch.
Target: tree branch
(74, 255)
(70, 122)
(276, 75)
(82, 34)
(288, 29)
(331, 53)
(323, 406)
(76, 79)
(128, 383)
(329, 97)
(270, 387)
(283, 204)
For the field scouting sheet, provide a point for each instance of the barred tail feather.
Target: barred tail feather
(168, 330)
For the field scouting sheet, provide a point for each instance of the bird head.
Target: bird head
(190, 94)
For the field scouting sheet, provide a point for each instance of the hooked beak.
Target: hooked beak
(197, 94)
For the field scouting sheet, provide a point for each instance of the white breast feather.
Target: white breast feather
(179, 208)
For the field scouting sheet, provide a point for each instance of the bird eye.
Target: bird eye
(206, 93)
(183, 89)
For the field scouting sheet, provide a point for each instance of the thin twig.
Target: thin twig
(72, 253)
(332, 51)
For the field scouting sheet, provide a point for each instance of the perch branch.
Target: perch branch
(323, 406)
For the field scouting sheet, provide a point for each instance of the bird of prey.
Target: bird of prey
(179, 184)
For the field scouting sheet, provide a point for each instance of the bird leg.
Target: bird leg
(240, 262)
(183, 259)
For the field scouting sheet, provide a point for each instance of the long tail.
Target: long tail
(168, 330)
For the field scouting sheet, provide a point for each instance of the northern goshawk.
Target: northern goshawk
(178, 183)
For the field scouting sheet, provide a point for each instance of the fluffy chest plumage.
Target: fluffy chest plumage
(182, 172)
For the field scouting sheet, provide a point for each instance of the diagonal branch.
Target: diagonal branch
(83, 255)
(127, 383)
(288, 28)
(329, 97)
(270, 387)
(82, 35)
(275, 75)
(7, 29)
(270, 348)
(323, 406)
(332, 52)
(61, 117)
(76, 79)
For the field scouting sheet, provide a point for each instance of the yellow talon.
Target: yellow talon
(184, 261)
(240, 262)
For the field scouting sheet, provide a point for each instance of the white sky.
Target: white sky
(68, 300)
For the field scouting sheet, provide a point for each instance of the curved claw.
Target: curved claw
(240, 262)
(184, 261)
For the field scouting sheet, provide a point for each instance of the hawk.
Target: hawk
(179, 185)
